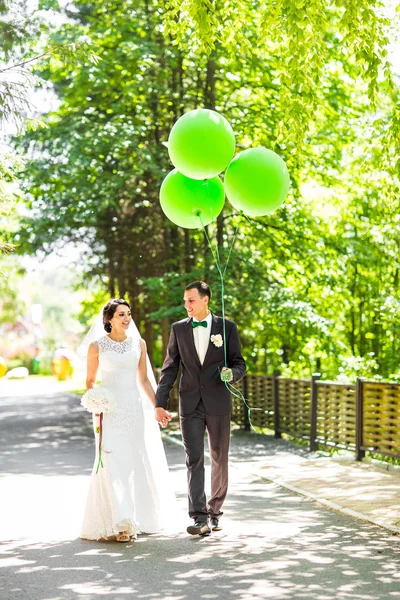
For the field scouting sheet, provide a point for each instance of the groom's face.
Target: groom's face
(195, 305)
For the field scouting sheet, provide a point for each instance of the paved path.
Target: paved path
(274, 545)
(364, 489)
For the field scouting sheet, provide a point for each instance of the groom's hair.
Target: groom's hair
(201, 286)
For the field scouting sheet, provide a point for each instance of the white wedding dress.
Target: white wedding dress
(132, 491)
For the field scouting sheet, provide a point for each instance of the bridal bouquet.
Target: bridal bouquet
(98, 400)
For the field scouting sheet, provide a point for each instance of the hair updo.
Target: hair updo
(109, 311)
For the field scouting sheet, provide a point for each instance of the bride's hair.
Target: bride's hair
(109, 310)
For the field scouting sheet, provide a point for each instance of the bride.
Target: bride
(131, 492)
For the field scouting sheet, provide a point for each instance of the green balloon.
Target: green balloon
(257, 181)
(201, 144)
(190, 202)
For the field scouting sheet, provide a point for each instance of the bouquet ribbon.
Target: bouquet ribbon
(100, 462)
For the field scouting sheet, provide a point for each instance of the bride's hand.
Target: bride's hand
(162, 416)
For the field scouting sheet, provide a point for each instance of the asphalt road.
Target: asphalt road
(273, 545)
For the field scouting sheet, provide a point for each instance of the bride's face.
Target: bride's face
(121, 319)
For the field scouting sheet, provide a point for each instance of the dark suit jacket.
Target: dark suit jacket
(200, 381)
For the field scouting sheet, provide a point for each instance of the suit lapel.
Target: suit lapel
(215, 328)
(190, 340)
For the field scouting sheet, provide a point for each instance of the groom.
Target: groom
(197, 345)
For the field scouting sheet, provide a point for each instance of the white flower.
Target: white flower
(217, 340)
(98, 400)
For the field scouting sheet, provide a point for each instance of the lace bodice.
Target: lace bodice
(106, 344)
(118, 362)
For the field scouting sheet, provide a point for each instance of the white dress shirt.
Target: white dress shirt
(201, 337)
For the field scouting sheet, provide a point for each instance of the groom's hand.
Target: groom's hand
(226, 374)
(162, 416)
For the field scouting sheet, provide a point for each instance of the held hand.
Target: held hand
(226, 374)
(162, 416)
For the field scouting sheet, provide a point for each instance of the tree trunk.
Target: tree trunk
(220, 231)
(352, 314)
(148, 337)
(209, 88)
(181, 85)
(111, 278)
(207, 257)
(361, 335)
(209, 102)
(165, 334)
(133, 294)
(188, 251)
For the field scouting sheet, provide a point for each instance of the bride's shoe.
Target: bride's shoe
(123, 537)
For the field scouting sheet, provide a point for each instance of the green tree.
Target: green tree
(301, 36)
(94, 173)
(22, 32)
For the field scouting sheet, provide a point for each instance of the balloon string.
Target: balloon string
(218, 263)
(246, 217)
(230, 387)
(238, 394)
(230, 249)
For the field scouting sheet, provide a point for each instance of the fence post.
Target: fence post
(275, 394)
(313, 411)
(246, 422)
(359, 418)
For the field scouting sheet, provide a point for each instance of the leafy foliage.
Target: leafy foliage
(301, 36)
(20, 34)
(313, 286)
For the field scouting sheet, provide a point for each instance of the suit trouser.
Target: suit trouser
(193, 427)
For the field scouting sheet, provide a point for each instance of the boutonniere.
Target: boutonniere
(217, 340)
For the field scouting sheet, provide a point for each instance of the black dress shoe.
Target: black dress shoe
(215, 526)
(199, 528)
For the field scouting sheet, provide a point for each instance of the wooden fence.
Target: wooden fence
(361, 417)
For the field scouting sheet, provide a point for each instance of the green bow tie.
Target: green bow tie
(199, 324)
